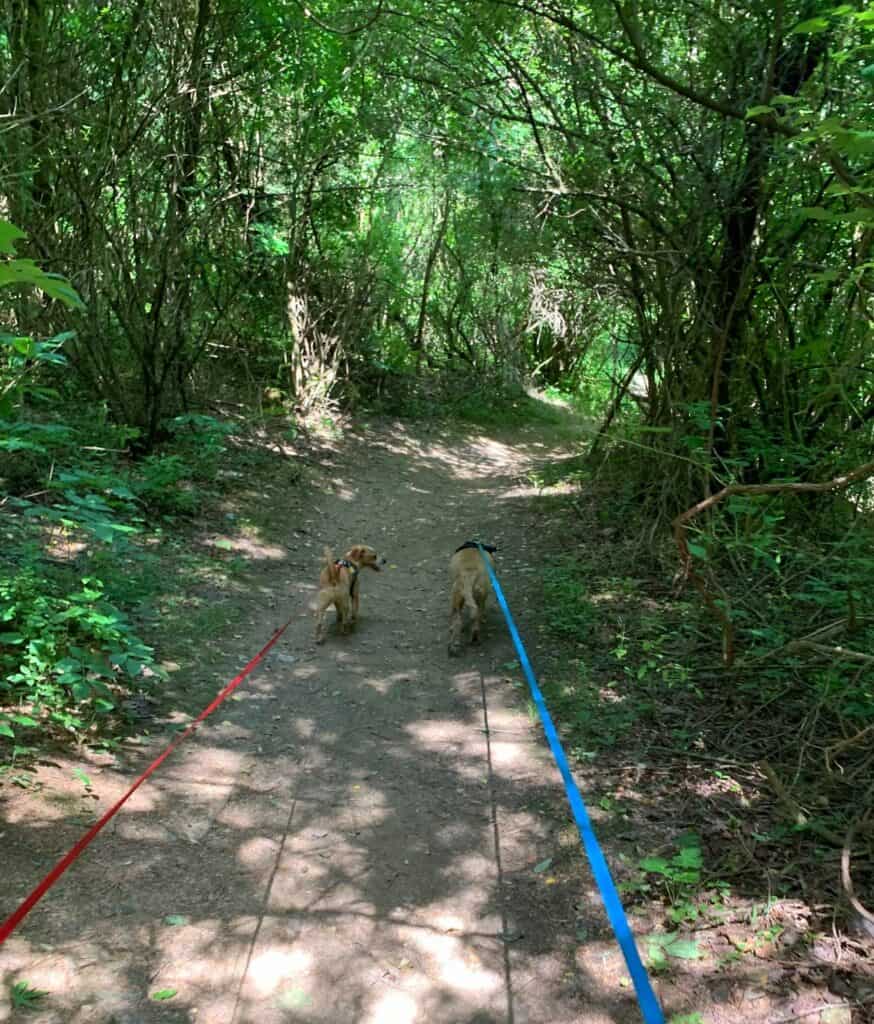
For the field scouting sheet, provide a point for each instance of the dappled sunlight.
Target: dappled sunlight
(302, 728)
(454, 835)
(393, 1008)
(257, 852)
(438, 734)
(384, 684)
(343, 842)
(238, 816)
(212, 764)
(243, 544)
(457, 964)
(307, 671)
(273, 967)
(506, 754)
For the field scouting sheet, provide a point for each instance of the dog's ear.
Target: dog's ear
(356, 553)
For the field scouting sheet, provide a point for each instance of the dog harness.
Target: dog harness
(353, 571)
(472, 544)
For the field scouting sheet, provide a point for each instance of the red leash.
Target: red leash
(14, 919)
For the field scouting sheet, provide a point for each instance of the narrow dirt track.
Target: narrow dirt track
(354, 838)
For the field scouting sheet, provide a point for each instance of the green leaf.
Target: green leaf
(175, 920)
(811, 27)
(23, 996)
(684, 949)
(816, 213)
(658, 865)
(163, 994)
(26, 272)
(690, 857)
(6, 730)
(761, 109)
(81, 690)
(9, 235)
(293, 999)
(698, 551)
(673, 945)
(542, 866)
(25, 346)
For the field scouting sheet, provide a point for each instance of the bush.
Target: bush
(66, 658)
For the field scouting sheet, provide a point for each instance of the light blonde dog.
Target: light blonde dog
(470, 591)
(339, 586)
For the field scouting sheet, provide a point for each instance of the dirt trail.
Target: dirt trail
(354, 838)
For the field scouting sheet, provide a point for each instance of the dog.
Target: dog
(338, 586)
(470, 591)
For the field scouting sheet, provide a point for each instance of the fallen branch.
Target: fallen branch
(795, 812)
(681, 525)
(822, 633)
(836, 748)
(837, 652)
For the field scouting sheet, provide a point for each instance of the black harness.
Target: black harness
(473, 544)
(353, 571)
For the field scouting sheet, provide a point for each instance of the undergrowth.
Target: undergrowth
(463, 398)
(770, 758)
(88, 532)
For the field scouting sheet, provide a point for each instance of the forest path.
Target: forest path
(344, 841)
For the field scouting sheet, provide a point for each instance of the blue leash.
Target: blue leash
(649, 1006)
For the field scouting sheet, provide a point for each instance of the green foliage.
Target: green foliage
(571, 614)
(25, 997)
(672, 944)
(21, 357)
(84, 552)
(159, 485)
(26, 274)
(67, 657)
(676, 879)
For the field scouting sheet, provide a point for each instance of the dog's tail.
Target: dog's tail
(329, 562)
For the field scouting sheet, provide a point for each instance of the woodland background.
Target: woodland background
(224, 221)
